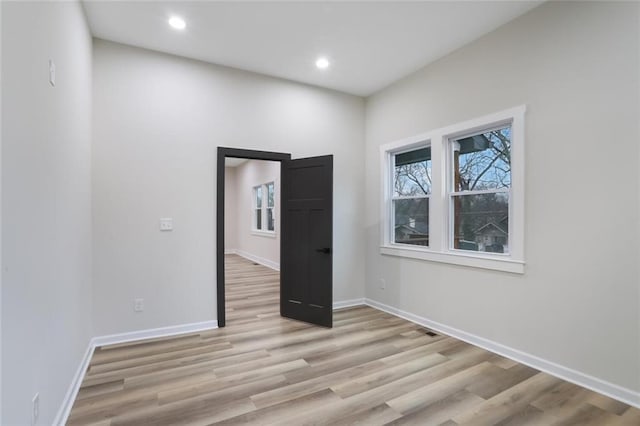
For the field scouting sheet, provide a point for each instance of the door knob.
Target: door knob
(325, 250)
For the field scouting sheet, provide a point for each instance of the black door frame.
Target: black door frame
(223, 153)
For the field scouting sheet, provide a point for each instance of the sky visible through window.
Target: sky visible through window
(485, 161)
(413, 173)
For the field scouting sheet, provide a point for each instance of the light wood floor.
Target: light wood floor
(371, 368)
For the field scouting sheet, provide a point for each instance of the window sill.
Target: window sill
(474, 261)
(270, 234)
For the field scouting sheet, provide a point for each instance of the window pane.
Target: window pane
(258, 196)
(481, 222)
(412, 174)
(270, 222)
(258, 216)
(483, 161)
(270, 195)
(411, 221)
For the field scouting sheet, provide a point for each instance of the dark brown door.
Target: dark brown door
(306, 289)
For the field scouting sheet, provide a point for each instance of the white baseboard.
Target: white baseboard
(628, 396)
(348, 303)
(261, 260)
(230, 251)
(72, 392)
(153, 333)
(74, 387)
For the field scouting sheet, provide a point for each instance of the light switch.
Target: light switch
(52, 72)
(166, 224)
(138, 305)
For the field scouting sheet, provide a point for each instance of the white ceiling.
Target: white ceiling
(369, 44)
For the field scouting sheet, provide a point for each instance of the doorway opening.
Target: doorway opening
(247, 168)
(252, 239)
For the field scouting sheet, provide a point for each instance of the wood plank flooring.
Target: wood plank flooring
(371, 369)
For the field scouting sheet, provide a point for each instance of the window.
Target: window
(456, 194)
(480, 182)
(270, 206)
(264, 208)
(257, 209)
(410, 200)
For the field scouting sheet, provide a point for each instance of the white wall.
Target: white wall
(265, 248)
(576, 67)
(46, 202)
(230, 208)
(157, 122)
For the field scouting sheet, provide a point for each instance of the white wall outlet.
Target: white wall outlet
(52, 72)
(166, 224)
(138, 305)
(383, 283)
(35, 408)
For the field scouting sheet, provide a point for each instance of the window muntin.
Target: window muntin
(480, 183)
(410, 199)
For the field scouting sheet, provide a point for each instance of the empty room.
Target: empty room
(319, 213)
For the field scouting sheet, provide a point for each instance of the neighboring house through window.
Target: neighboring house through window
(456, 194)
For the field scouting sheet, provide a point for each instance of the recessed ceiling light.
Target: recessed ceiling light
(322, 63)
(177, 23)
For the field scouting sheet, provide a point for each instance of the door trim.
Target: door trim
(223, 153)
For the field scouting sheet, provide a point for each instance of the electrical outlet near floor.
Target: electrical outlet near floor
(35, 408)
(138, 305)
(383, 284)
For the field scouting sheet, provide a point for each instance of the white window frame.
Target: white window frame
(263, 231)
(440, 208)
